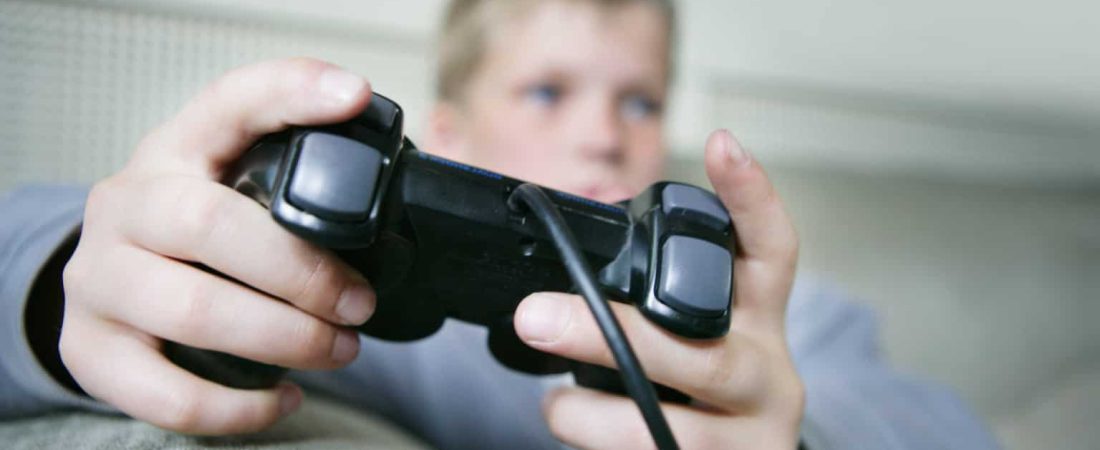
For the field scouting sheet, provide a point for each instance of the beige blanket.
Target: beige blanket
(320, 424)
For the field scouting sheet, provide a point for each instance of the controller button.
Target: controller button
(695, 203)
(334, 177)
(380, 114)
(695, 276)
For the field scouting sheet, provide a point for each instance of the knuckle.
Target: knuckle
(728, 368)
(300, 72)
(74, 273)
(68, 348)
(311, 342)
(554, 419)
(153, 138)
(799, 396)
(182, 411)
(197, 312)
(719, 366)
(560, 410)
(297, 74)
(200, 214)
(83, 277)
(147, 152)
(793, 245)
(303, 66)
(319, 287)
(290, 74)
(250, 417)
(101, 200)
(98, 195)
(207, 209)
(793, 397)
(223, 85)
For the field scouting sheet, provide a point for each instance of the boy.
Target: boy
(564, 93)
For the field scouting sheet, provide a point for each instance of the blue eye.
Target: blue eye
(639, 107)
(544, 94)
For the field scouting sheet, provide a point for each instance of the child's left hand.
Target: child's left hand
(747, 393)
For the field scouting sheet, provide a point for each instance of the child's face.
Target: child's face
(569, 96)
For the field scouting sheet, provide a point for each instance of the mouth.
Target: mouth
(605, 192)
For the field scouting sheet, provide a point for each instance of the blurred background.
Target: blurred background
(941, 158)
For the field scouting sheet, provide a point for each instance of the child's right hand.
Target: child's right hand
(131, 281)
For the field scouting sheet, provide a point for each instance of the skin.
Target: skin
(559, 109)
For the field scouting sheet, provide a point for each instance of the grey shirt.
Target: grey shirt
(450, 391)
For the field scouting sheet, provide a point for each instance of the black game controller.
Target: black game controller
(439, 239)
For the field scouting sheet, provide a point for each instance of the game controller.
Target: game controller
(439, 239)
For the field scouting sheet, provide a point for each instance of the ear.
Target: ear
(446, 133)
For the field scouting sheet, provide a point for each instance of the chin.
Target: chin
(606, 193)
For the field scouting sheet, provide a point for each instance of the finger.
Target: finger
(588, 419)
(245, 103)
(727, 372)
(768, 243)
(197, 220)
(124, 368)
(183, 304)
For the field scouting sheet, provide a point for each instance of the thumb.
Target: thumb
(767, 241)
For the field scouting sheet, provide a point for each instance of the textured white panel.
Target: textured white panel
(850, 131)
(80, 84)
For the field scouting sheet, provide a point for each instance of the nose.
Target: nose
(600, 137)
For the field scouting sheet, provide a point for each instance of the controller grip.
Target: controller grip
(223, 368)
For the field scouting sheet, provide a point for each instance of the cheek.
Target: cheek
(518, 148)
(645, 156)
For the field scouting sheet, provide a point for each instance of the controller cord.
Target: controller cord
(634, 378)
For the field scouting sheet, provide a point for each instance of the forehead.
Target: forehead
(621, 41)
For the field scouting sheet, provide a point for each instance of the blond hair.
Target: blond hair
(464, 35)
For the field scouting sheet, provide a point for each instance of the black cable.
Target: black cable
(634, 378)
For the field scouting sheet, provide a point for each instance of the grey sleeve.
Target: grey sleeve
(34, 222)
(448, 389)
(853, 398)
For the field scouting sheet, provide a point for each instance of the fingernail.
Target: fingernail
(356, 304)
(339, 85)
(543, 318)
(738, 154)
(290, 398)
(346, 346)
